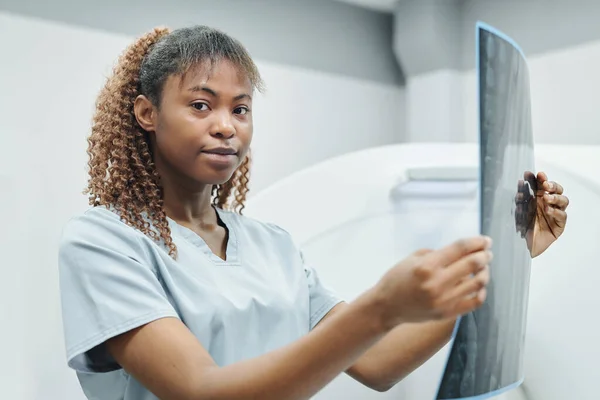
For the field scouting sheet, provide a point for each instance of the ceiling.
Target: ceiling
(379, 5)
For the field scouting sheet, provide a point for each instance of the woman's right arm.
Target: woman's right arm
(167, 359)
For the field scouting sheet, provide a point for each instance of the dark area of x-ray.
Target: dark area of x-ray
(486, 356)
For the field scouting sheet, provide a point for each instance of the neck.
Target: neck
(186, 202)
(191, 207)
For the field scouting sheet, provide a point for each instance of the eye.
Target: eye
(241, 110)
(200, 106)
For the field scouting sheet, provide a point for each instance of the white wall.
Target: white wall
(442, 105)
(49, 77)
(434, 104)
(564, 96)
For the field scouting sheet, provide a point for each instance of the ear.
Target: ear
(145, 113)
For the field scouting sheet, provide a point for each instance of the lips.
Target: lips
(222, 151)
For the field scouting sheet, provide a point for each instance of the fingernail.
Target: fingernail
(488, 241)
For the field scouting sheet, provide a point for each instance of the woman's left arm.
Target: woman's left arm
(408, 346)
(399, 352)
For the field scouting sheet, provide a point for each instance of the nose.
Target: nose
(223, 126)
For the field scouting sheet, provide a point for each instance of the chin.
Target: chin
(214, 171)
(215, 178)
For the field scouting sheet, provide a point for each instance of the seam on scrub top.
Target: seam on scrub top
(121, 328)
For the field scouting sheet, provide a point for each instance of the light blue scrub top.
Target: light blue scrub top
(113, 278)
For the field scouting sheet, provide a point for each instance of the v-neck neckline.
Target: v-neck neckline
(231, 250)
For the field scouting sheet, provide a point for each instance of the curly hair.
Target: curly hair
(122, 173)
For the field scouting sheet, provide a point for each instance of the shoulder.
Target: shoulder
(99, 229)
(97, 223)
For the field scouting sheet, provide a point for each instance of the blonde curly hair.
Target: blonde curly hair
(122, 173)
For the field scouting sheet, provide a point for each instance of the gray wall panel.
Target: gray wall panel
(317, 34)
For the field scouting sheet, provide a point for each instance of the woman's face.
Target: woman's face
(202, 131)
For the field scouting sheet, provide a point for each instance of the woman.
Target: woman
(169, 292)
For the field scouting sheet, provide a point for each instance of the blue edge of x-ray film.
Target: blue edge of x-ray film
(483, 26)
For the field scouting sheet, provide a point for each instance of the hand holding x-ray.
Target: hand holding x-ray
(540, 211)
(551, 215)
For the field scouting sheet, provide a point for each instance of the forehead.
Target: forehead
(221, 75)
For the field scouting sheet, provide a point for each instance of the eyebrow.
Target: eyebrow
(208, 90)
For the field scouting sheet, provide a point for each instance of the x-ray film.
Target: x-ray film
(486, 356)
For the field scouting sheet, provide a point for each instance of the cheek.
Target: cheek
(177, 142)
(245, 137)
(245, 132)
